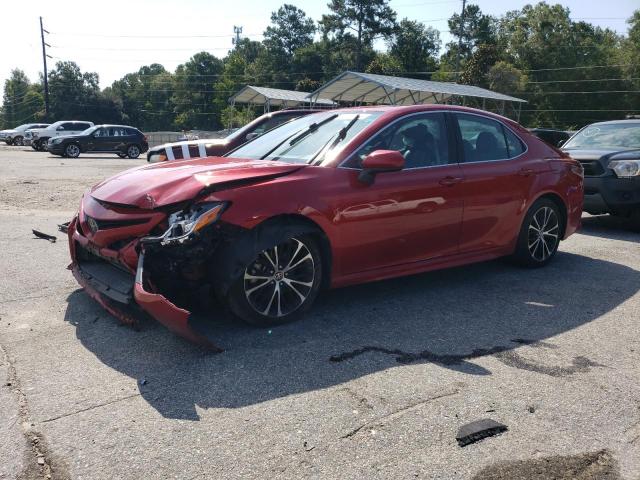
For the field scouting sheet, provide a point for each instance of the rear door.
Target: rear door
(499, 178)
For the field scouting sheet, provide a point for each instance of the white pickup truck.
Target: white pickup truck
(40, 136)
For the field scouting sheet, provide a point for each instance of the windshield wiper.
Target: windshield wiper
(311, 128)
(341, 136)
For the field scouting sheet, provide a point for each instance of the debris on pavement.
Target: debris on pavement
(478, 430)
(63, 227)
(44, 236)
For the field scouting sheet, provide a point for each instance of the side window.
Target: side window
(66, 126)
(101, 132)
(482, 138)
(422, 140)
(514, 144)
(83, 126)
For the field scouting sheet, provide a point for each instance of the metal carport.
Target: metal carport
(367, 88)
(275, 97)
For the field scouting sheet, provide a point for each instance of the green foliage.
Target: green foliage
(359, 23)
(22, 101)
(415, 47)
(571, 73)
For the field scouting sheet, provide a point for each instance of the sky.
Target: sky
(117, 37)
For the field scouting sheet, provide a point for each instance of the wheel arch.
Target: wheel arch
(237, 251)
(315, 230)
(562, 207)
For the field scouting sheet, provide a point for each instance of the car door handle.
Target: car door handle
(450, 181)
(526, 172)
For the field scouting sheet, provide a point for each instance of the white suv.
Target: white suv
(40, 137)
(16, 135)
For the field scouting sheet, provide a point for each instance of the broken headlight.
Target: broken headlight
(186, 223)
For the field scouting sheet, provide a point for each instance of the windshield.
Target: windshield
(612, 135)
(309, 139)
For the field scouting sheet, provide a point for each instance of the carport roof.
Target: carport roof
(274, 97)
(385, 89)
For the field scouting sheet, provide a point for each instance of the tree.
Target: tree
(415, 47)
(22, 101)
(194, 95)
(470, 29)
(477, 67)
(384, 64)
(505, 78)
(290, 30)
(76, 95)
(359, 22)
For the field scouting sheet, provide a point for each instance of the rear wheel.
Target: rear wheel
(9, 142)
(280, 284)
(133, 151)
(72, 150)
(17, 141)
(539, 235)
(42, 145)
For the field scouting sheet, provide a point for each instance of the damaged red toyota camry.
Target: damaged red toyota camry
(327, 200)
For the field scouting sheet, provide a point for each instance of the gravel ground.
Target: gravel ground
(373, 383)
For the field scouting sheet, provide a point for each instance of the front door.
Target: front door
(411, 215)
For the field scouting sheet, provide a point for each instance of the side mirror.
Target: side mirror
(380, 161)
(561, 142)
(251, 136)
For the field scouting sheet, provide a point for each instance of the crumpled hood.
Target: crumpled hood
(160, 184)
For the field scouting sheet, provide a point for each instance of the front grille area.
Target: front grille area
(592, 168)
(107, 278)
(107, 224)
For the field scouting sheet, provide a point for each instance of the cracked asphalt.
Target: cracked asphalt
(373, 383)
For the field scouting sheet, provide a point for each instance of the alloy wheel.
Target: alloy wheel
(72, 150)
(544, 230)
(133, 151)
(280, 279)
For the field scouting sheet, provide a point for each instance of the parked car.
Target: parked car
(40, 136)
(331, 199)
(219, 146)
(551, 136)
(122, 140)
(610, 155)
(15, 136)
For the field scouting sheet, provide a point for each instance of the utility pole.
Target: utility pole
(44, 61)
(460, 32)
(237, 31)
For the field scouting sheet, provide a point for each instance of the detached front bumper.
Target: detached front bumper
(121, 293)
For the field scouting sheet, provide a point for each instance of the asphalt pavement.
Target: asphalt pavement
(373, 383)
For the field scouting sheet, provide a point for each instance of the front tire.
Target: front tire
(17, 141)
(279, 284)
(72, 150)
(133, 151)
(539, 236)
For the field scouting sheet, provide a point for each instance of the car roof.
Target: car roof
(114, 125)
(395, 111)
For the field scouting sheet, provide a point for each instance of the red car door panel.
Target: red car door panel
(404, 216)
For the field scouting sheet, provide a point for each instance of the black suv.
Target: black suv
(610, 155)
(122, 140)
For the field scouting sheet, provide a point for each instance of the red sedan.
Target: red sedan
(327, 200)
